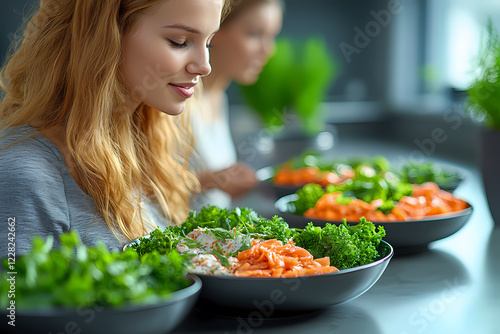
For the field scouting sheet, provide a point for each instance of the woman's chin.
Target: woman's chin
(248, 80)
(171, 110)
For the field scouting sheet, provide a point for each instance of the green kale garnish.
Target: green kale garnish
(347, 246)
(162, 242)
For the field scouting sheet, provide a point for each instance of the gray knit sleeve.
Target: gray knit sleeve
(32, 194)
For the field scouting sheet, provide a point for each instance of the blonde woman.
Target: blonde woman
(87, 138)
(241, 48)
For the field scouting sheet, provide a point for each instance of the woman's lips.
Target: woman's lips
(184, 90)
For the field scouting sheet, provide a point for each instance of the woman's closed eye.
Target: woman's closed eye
(177, 45)
(255, 33)
(185, 44)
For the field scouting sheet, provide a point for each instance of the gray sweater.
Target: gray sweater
(38, 192)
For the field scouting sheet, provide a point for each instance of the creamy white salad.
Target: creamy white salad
(202, 242)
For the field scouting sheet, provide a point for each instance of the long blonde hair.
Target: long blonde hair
(65, 71)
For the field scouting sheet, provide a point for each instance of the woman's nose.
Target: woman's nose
(200, 64)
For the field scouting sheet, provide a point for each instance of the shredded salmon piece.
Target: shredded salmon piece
(271, 258)
(287, 176)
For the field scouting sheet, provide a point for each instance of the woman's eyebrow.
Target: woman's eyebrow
(183, 27)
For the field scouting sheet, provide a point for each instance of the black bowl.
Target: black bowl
(265, 176)
(280, 191)
(157, 318)
(307, 293)
(405, 236)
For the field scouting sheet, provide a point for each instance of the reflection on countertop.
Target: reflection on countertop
(422, 274)
(323, 321)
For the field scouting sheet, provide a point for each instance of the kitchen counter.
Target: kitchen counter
(451, 287)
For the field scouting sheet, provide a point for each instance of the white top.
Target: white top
(215, 151)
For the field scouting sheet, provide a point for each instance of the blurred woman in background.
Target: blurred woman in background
(87, 141)
(242, 47)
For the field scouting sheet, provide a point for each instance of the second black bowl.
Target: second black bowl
(406, 236)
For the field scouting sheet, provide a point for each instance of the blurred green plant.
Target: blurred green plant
(484, 92)
(295, 79)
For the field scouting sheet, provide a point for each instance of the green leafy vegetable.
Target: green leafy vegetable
(368, 184)
(347, 246)
(378, 164)
(369, 187)
(76, 275)
(244, 220)
(418, 173)
(162, 242)
(311, 158)
(222, 258)
(484, 92)
(223, 224)
(308, 195)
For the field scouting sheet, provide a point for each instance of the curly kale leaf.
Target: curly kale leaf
(347, 246)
